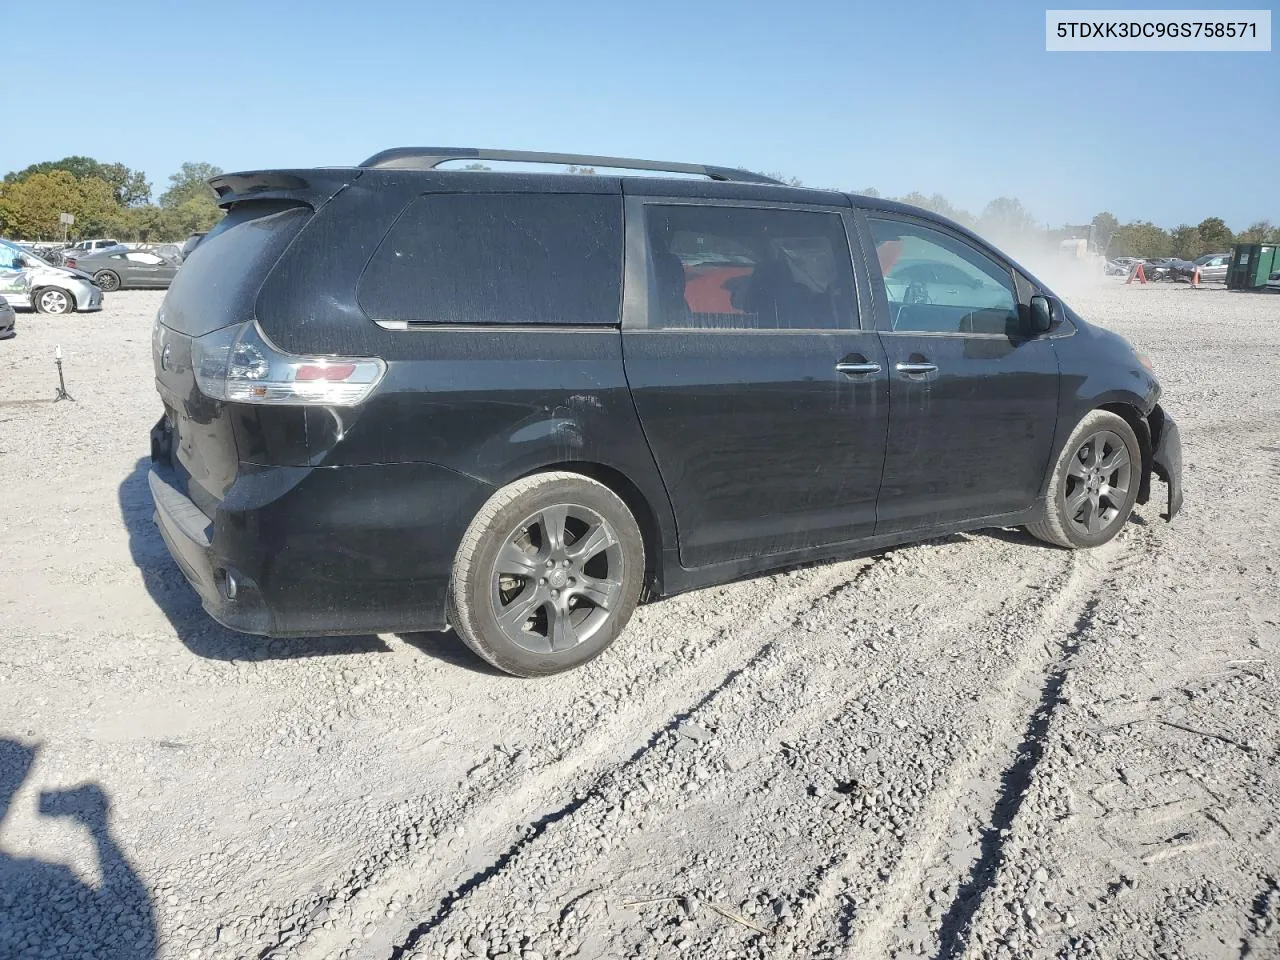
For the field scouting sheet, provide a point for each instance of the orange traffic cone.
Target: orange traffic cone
(1195, 279)
(1138, 274)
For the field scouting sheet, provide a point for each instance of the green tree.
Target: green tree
(1184, 242)
(1005, 218)
(1104, 228)
(783, 178)
(938, 204)
(29, 208)
(128, 187)
(189, 182)
(1140, 239)
(1215, 236)
(1260, 232)
(195, 215)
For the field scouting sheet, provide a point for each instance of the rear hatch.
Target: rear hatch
(216, 287)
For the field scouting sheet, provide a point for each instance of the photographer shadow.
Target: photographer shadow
(45, 909)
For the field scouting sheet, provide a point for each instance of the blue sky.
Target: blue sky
(956, 98)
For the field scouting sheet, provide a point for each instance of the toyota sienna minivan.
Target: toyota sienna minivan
(400, 397)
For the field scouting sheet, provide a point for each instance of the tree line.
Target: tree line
(106, 199)
(109, 199)
(1006, 221)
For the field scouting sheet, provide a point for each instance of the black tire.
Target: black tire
(1094, 484)
(54, 301)
(108, 280)
(543, 611)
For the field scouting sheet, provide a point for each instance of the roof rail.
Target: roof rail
(428, 158)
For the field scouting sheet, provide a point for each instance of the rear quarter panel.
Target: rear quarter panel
(490, 403)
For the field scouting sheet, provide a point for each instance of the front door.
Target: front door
(973, 399)
(763, 402)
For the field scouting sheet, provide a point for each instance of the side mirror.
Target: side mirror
(1042, 316)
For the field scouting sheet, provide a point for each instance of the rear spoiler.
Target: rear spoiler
(310, 187)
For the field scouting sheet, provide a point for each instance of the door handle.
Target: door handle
(916, 369)
(856, 369)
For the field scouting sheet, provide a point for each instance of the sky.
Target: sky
(954, 98)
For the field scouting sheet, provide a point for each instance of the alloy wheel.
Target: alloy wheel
(557, 578)
(1097, 486)
(54, 301)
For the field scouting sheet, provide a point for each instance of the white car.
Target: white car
(28, 281)
(92, 246)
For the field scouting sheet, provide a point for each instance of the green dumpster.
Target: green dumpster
(1251, 263)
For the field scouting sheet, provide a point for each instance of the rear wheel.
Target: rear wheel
(548, 574)
(1094, 484)
(108, 280)
(55, 301)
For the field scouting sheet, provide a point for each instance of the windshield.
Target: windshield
(13, 251)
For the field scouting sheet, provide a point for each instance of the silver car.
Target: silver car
(1213, 266)
(8, 322)
(28, 281)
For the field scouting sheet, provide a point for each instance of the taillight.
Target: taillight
(240, 365)
(71, 262)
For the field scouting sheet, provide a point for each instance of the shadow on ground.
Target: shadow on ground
(45, 909)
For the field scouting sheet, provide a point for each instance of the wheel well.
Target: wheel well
(636, 502)
(1142, 430)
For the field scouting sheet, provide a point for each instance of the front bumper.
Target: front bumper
(1166, 456)
(88, 297)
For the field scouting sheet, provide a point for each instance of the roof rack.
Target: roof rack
(428, 158)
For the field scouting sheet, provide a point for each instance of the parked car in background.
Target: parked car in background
(1158, 268)
(1213, 267)
(92, 246)
(8, 320)
(1273, 281)
(170, 251)
(191, 243)
(1120, 266)
(128, 269)
(28, 281)
(400, 396)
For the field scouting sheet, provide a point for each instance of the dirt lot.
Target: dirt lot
(976, 747)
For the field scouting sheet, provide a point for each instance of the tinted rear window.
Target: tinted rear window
(501, 259)
(219, 281)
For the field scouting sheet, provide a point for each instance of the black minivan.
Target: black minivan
(400, 396)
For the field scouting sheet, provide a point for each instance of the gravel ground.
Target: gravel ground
(974, 747)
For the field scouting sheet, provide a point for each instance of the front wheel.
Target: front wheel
(1094, 484)
(54, 301)
(548, 574)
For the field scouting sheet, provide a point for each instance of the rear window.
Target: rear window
(500, 259)
(219, 280)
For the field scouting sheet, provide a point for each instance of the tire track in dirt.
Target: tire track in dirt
(521, 796)
(761, 671)
(1063, 600)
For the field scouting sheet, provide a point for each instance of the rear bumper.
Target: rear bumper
(314, 551)
(1166, 444)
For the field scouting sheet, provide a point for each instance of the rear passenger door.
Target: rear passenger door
(973, 397)
(762, 399)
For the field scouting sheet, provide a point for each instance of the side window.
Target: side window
(748, 268)
(500, 259)
(142, 257)
(937, 283)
